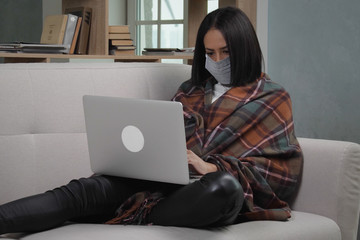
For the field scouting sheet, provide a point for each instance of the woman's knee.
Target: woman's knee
(225, 192)
(222, 184)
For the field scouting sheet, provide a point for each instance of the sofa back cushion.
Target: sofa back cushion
(42, 131)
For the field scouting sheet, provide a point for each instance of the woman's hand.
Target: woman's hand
(200, 165)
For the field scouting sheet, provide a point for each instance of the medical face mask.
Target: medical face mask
(220, 70)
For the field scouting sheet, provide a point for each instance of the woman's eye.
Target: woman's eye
(209, 53)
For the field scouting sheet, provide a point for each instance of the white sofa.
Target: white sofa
(43, 145)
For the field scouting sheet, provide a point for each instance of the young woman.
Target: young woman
(240, 137)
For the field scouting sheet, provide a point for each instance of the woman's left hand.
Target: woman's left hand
(200, 165)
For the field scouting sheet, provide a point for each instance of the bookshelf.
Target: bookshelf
(247, 6)
(47, 58)
(99, 39)
(197, 10)
(99, 34)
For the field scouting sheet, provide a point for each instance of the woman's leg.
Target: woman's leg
(214, 200)
(87, 198)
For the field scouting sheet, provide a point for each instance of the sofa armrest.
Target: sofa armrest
(330, 184)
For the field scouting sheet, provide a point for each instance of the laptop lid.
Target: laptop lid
(136, 138)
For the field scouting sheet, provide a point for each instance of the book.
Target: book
(54, 29)
(32, 47)
(70, 30)
(84, 34)
(119, 29)
(123, 47)
(122, 42)
(122, 52)
(168, 51)
(119, 36)
(8, 47)
(76, 35)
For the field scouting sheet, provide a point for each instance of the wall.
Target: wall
(262, 28)
(117, 10)
(117, 16)
(20, 21)
(51, 7)
(313, 51)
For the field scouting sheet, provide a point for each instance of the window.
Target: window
(212, 5)
(159, 24)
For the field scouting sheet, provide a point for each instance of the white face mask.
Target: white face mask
(220, 70)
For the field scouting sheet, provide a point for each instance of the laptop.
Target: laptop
(137, 138)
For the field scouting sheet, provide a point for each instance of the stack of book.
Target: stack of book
(120, 41)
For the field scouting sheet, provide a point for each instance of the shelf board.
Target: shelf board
(37, 57)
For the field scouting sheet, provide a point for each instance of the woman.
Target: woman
(240, 137)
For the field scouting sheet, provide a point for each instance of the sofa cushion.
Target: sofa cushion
(42, 130)
(300, 226)
(335, 167)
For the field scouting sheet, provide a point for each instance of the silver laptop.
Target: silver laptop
(136, 138)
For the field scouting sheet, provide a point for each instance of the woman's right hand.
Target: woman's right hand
(200, 165)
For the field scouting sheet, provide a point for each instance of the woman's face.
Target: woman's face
(215, 45)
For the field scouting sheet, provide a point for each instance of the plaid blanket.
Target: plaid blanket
(248, 132)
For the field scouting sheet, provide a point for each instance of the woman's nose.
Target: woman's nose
(219, 56)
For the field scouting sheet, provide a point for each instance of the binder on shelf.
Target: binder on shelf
(54, 29)
(72, 21)
(83, 39)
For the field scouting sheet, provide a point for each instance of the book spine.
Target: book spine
(76, 36)
(83, 42)
(119, 29)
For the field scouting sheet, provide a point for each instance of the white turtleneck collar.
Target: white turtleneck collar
(219, 90)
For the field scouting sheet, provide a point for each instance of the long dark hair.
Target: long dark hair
(243, 45)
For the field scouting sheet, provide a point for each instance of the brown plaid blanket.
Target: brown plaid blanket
(248, 132)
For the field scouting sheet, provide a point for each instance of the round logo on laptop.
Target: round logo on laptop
(132, 138)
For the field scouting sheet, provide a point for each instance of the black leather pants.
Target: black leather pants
(214, 200)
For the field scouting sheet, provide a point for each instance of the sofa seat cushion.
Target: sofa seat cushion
(300, 226)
